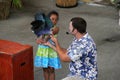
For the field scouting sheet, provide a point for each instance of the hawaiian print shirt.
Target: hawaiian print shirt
(83, 55)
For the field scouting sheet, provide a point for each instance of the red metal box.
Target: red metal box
(16, 61)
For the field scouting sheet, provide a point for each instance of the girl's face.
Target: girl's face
(54, 19)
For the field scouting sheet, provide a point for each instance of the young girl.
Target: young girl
(46, 57)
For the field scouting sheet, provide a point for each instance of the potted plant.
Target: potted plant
(116, 3)
(17, 3)
(5, 6)
(4, 9)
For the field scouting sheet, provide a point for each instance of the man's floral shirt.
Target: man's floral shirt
(83, 55)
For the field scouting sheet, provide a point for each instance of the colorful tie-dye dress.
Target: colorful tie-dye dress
(45, 57)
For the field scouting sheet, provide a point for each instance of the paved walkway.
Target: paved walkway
(102, 25)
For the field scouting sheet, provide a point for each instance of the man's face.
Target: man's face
(71, 29)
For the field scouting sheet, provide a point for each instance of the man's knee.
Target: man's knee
(73, 78)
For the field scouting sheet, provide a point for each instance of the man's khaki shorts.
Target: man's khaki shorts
(73, 78)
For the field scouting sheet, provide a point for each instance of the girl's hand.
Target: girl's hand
(39, 41)
(47, 43)
(55, 30)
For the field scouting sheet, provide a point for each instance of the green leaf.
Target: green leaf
(17, 3)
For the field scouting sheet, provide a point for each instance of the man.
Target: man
(82, 52)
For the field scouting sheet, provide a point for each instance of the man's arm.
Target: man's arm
(61, 51)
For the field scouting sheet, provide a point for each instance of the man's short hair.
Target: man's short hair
(79, 24)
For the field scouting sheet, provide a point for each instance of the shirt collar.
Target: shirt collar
(85, 36)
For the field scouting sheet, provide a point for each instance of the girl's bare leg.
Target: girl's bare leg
(46, 73)
(51, 73)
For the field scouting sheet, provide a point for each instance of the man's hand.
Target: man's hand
(54, 39)
(50, 45)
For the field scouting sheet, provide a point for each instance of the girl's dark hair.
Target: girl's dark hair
(79, 24)
(53, 12)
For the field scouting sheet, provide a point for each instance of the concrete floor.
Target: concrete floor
(102, 25)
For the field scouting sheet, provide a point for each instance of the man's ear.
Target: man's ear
(75, 30)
